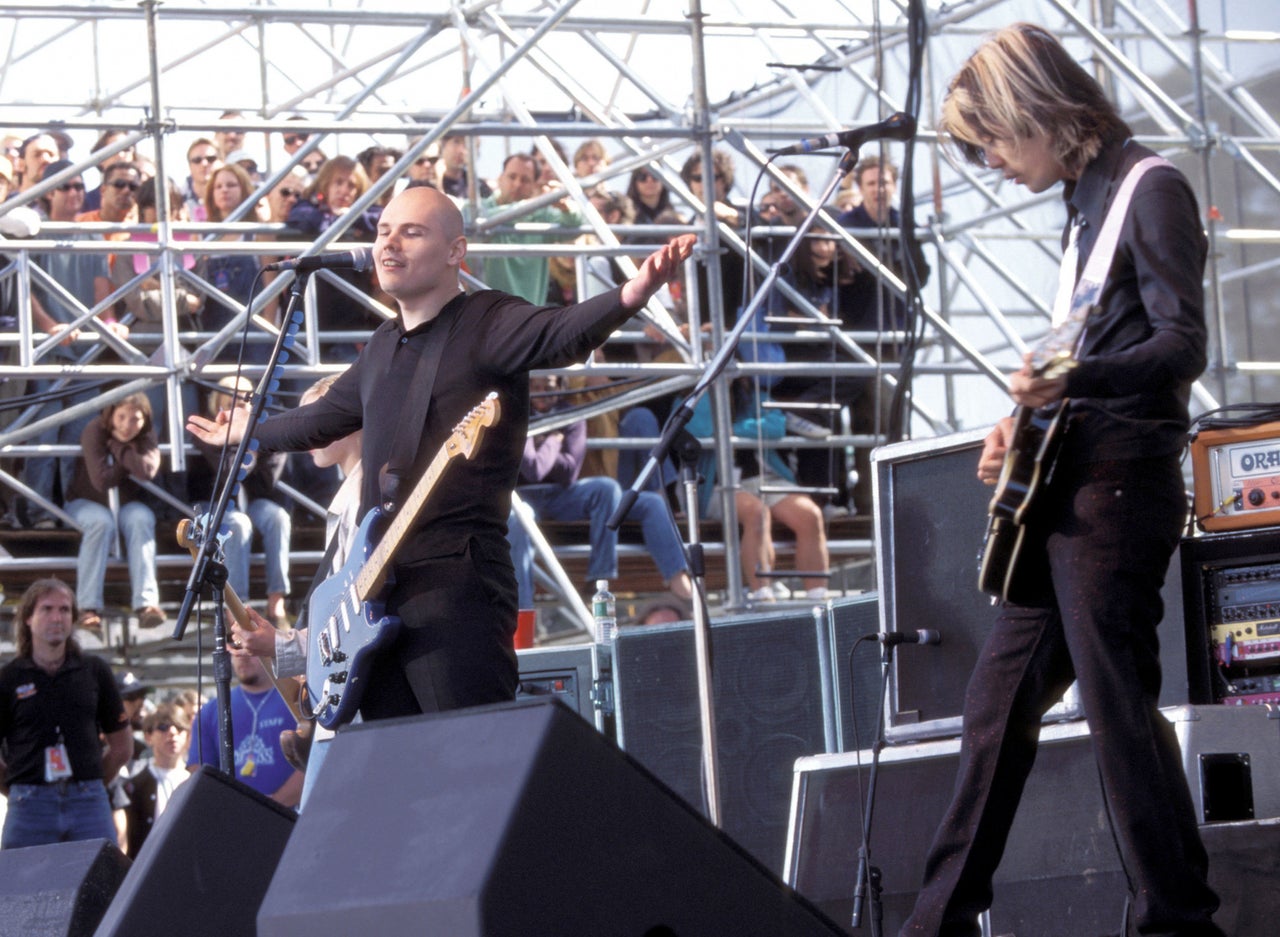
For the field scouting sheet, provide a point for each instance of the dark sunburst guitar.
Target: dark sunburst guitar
(1028, 464)
(347, 611)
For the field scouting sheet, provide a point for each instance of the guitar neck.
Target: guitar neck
(374, 572)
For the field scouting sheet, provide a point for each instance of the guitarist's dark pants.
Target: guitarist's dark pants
(456, 646)
(1107, 535)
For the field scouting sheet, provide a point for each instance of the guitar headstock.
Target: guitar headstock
(466, 435)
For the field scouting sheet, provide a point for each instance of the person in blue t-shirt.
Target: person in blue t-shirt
(258, 716)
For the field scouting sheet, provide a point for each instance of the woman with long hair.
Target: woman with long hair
(337, 186)
(119, 444)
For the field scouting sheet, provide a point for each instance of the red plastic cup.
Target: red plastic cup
(525, 620)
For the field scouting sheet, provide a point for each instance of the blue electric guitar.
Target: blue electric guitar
(347, 611)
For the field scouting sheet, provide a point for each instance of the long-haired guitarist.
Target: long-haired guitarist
(454, 587)
(1109, 519)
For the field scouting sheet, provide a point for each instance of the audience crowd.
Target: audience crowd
(89, 302)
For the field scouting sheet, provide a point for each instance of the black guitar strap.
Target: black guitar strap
(418, 402)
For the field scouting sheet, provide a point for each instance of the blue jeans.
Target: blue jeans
(658, 529)
(640, 423)
(138, 526)
(276, 527)
(41, 472)
(592, 498)
(55, 813)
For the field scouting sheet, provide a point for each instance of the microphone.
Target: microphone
(358, 260)
(897, 126)
(922, 636)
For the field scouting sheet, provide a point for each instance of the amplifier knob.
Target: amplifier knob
(1257, 496)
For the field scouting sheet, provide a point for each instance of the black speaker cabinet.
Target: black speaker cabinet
(58, 890)
(506, 821)
(857, 669)
(772, 693)
(931, 515)
(205, 865)
(1060, 875)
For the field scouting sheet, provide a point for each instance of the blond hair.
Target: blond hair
(1019, 83)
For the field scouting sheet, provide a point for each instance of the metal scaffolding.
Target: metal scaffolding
(658, 80)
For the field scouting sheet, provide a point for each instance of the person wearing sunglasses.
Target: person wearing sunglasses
(202, 159)
(649, 194)
(167, 732)
(120, 183)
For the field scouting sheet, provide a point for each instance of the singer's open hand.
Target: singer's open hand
(658, 268)
(228, 427)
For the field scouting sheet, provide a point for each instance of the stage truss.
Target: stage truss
(658, 81)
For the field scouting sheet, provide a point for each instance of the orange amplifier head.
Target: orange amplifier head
(1237, 477)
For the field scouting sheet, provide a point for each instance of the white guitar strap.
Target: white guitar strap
(1088, 288)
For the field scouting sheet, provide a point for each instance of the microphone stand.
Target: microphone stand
(206, 570)
(674, 431)
(867, 884)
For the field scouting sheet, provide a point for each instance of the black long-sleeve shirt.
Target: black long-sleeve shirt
(1145, 344)
(494, 341)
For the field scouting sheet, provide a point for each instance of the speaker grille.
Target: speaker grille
(769, 712)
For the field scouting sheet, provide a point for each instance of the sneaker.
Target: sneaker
(831, 512)
(763, 594)
(780, 590)
(45, 523)
(800, 426)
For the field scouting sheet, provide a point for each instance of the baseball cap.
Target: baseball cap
(129, 685)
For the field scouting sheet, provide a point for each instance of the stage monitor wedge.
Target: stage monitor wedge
(58, 890)
(506, 821)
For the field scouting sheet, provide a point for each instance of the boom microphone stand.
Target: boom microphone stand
(674, 430)
(206, 571)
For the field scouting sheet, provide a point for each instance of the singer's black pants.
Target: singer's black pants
(1107, 533)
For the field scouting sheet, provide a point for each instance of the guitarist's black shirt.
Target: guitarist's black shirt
(494, 340)
(1145, 344)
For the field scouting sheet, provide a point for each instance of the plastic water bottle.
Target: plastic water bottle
(604, 611)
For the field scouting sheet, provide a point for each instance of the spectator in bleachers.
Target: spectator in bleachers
(119, 204)
(314, 161)
(589, 158)
(120, 443)
(731, 262)
(455, 168)
(649, 195)
(376, 161)
(232, 273)
(758, 509)
(36, 153)
(229, 138)
(202, 158)
(551, 486)
(334, 190)
(522, 275)
(265, 509)
(145, 303)
(296, 139)
(93, 198)
(868, 304)
(86, 276)
(546, 175)
(424, 169)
